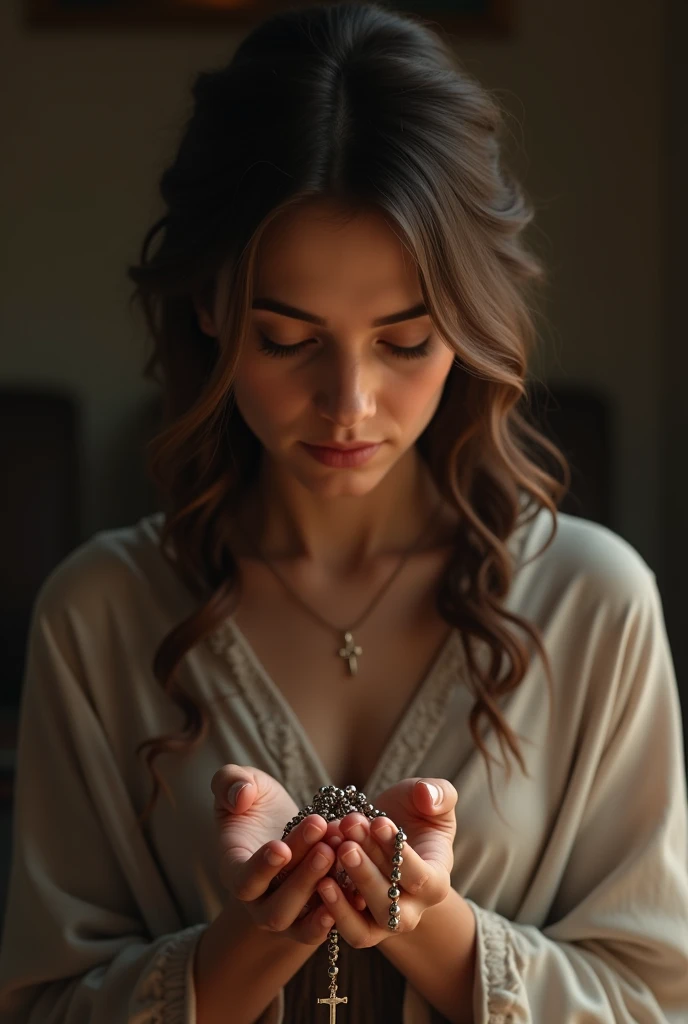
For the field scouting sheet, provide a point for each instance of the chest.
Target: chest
(347, 718)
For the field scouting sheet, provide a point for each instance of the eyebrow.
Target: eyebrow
(273, 306)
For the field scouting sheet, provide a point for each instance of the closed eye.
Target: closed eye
(271, 348)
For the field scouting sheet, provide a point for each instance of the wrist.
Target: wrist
(240, 963)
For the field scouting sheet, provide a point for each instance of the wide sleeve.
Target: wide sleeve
(90, 935)
(614, 949)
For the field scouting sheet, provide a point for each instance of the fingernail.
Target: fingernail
(319, 860)
(435, 793)
(356, 832)
(385, 831)
(233, 792)
(328, 893)
(311, 833)
(352, 858)
(274, 858)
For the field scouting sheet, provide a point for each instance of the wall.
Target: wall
(675, 348)
(90, 119)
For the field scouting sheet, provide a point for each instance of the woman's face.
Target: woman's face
(342, 379)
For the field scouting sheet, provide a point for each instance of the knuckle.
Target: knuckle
(407, 923)
(242, 890)
(415, 887)
(272, 923)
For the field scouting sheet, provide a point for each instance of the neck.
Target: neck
(339, 535)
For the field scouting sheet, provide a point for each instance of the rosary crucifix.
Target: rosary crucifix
(333, 803)
(332, 1003)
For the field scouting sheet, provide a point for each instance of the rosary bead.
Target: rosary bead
(333, 803)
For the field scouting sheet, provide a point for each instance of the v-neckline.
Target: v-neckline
(286, 741)
(410, 739)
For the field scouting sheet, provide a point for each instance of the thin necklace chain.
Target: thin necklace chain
(376, 598)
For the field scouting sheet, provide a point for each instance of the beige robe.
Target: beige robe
(580, 895)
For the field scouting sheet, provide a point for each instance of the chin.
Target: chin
(338, 483)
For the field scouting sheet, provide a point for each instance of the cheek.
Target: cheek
(416, 400)
(267, 403)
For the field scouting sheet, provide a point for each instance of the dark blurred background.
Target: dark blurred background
(90, 113)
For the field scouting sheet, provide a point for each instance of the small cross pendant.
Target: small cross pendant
(351, 651)
(332, 1003)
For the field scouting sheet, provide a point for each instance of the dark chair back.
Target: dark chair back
(39, 511)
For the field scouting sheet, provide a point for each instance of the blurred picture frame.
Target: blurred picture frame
(467, 17)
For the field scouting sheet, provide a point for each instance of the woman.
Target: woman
(341, 265)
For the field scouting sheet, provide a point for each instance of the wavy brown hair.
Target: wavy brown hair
(355, 103)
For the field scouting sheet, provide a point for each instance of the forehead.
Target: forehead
(323, 254)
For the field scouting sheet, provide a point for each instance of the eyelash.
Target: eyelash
(271, 348)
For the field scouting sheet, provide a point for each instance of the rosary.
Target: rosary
(333, 803)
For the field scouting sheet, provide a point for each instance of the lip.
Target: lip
(345, 447)
(339, 458)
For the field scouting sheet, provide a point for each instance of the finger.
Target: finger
(347, 886)
(416, 872)
(355, 898)
(433, 843)
(357, 827)
(372, 884)
(234, 789)
(303, 838)
(314, 927)
(246, 875)
(357, 928)
(281, 908)
(433, 796)
(251, 876)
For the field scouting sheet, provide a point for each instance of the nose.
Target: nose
(347, 396)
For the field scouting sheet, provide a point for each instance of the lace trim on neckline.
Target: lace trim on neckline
(296, 765)
(295, 760)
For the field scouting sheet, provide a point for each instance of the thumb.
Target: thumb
(234, 789)
(434, 796)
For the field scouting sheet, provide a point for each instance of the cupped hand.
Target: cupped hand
(251, 858)
(428, 860)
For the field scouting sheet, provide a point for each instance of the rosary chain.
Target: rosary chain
(333, 804)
